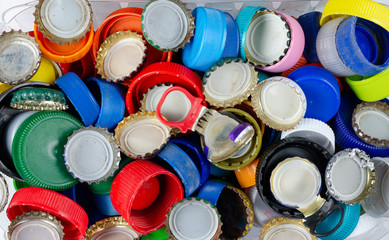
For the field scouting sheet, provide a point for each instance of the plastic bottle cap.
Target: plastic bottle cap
(19, 57)
(279, 102)
(350, 176)
(246, 175)
(211, 191)
(371, 123)
(283, 228)
(314, 130)
(39, 99)
(231, 49)
(111, 228)
(295, 182)
(91, 155)
(35, 225)
(193, 218)
(310, 22)
(4, 192)
(167, 25)
(229, 82)
(63, 21)
(267, 38)
(141, 135)
(38, 147)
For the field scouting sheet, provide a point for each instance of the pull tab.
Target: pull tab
(184, 109)
(329, 207)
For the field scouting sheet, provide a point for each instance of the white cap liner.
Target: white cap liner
(116, 233)
(153, 97)
(176, 106)
(373, 123)
(287, 232)
(35, 230)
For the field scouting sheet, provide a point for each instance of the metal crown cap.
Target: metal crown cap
(364, 162)
(379, 108)
(133, 124)
(112, 223)
(37, 216)
(155, 92)
(19, 63)
(108, 49)
(238, 91)
(42, 20)
(103, 137)
(282, 224)
(170, 228)
(38, 99)
(186, 15)
(4, 193)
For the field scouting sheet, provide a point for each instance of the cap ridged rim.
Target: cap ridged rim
(364, 162)
(112, 222)
(36, 216)
(39, 99)
(136, 118)
(57, 39)
(4, 192)
(190, 29)
(373, 106)
(7, 38)
(218, 231)
(242, 95)
(280, 221)
(109, 43)
(268, 120)
(115, 154)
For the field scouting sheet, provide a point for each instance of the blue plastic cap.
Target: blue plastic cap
(321, 90)
(310, 22)
(211, 191)
(231, 48)
(104, 204)
(209, 39)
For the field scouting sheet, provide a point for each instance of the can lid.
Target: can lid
(63, 21)
(38, 148)
(370, 122)
(193, 218)
(284, 228)
(4, 193)
(111, 228)
(314, 130)
(112, 61)
(39, 99)
(91, 154)
(167, 25)
(350, 176)
(268, 38)
(35, 225)
(279, 102)
(228, 82)
(141, 135)
(20, 57)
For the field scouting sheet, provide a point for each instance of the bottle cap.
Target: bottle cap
(310, 22)
(296, 183)
(284, 228)
(111, 228)
(38, 147)
(231, 49)
(112, 61)
(39, 99)
(20, 57)
(143, 193)
(141, 135)
(193, 218)
(91, 154)
(370, 123)
(4, 193)
(246, 175)
(268, 38)
(314, 130)
(208, 43)
(152, 97)
(63, 22)
(72, 216)
(167, 25)
(211, 191)
(35, 225)
(350, 176)
(228, 82)
(279, 102)
(326, 98)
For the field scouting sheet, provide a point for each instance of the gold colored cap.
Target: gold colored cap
(142, 135)
(39, 99)
(52, 15)
(114, 225)
(20, 57)
(285, 228)
(228, 82)
(121, 56)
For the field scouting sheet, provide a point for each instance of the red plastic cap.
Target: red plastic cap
(162, 72)
(129, 182)
(72, 216)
